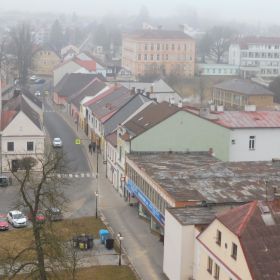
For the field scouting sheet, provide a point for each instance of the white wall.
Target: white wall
(178, 249)
(60, 71)
(234, 55)
(267, 145)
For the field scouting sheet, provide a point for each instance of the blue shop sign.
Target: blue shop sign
(144, 200)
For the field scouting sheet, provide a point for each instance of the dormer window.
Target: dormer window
(218, 237)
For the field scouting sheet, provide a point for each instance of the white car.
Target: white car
(57, 142)
(37, 93)
(33, 78)
(17, 219)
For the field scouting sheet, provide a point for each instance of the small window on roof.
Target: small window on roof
(146, 124)
(141, 118)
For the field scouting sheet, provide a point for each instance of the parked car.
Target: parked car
(54, 214)
(4, 225)
(57, 142)
(33, 78)
(39, 81)
(17, 219)
(40, 216)
(37, 93)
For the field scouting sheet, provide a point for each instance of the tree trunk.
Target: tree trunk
(39, 251)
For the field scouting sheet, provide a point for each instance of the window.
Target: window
(173, 47)
(209, 265)
(166, 56)
(10, 146)
(152, 47)
(252, 142)
(30, 146)
(146, 46)
(139, 56)
(158, 46)
(234, 251)
(145, 57)
(152, 57)
(218, 237)
(216, 272)
(158, 57)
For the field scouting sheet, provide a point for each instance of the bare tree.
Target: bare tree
(38, 190)
(216, 42)
(21, 43)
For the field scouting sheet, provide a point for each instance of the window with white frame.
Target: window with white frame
(252, 142)
(216, 272)
(209, 265)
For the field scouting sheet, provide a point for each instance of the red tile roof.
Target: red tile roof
(7, 117)
(258, 229)
(90, 65)
(242, 119)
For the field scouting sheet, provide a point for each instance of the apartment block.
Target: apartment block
(158, 51)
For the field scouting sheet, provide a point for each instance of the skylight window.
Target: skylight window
(141, 118)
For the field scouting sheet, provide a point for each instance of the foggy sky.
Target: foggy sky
(254, 11)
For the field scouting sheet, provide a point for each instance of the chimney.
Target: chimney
(180, 104)
(132, 91)
(211, 152)
(204, 112)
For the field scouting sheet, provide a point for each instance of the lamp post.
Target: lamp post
(120, 237)
(96, 201)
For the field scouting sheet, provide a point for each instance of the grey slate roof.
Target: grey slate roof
(110, 103)
(132, 105)
(244, 87)
(90, 90)
(74, 82)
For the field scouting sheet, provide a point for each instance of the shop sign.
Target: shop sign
(145, 201)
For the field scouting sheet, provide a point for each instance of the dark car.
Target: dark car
(54, 214)
(39, 81)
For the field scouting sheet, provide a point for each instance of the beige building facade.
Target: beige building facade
(158, 51)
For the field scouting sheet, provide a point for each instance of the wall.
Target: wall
(178, 249)
(261, 100)
(60, 71)
(234, 55)
(266, 145)
(192, 134)
(229, 268)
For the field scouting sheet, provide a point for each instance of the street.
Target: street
(144, 249)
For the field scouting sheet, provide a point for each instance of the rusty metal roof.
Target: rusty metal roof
(258, 227)
(242, 119)
(197, 176)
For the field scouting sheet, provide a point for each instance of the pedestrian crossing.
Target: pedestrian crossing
(79, 175)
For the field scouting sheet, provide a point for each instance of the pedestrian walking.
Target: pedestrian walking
(90, 148)
(93, 146)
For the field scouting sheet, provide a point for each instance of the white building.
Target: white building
(22, 134)
(256, 56)
(205, 69)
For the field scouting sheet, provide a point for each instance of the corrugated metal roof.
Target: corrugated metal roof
(242, 119)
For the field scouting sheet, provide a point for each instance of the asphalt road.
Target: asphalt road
(75, 159)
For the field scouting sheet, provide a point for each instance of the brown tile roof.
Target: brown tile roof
(7, 117)
(149, 117)
(112, 138)
(259, 233)
(157, 34)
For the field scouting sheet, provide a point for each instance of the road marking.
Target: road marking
(70, 175)
(88, 175)
(77, 176)
(82, 175)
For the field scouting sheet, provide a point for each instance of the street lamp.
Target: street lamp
(96, 201)
(120, 237)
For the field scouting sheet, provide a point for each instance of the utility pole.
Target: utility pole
(1, 169)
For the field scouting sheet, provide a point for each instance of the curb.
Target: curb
(101, 215)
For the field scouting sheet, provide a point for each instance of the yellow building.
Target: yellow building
(147, 52)
(242, 243)
(237, 93)
(43, 61)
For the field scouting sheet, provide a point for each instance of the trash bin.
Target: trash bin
(89, 242)
(75, 241)
(103, 235)
(109, 243)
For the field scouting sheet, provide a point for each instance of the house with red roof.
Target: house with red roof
(242, 243)
(77, 65)
(23, 134)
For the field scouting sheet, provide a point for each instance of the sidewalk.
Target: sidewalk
(143, 249)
